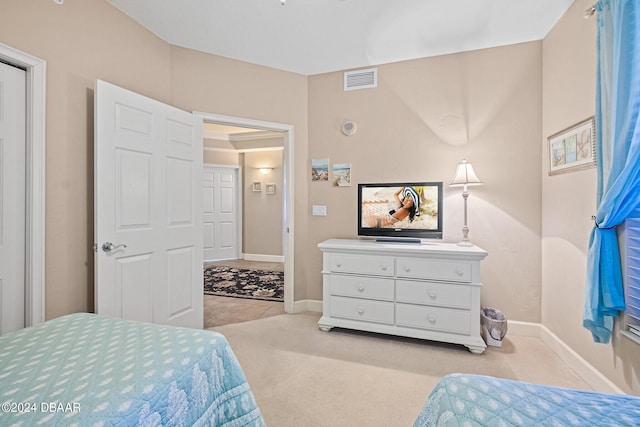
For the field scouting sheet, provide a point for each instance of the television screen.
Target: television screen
(400, 210)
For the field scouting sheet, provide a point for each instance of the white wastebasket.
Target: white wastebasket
(494, 326)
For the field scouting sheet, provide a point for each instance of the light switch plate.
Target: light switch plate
(319, 210)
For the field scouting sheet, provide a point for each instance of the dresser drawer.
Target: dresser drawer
(433, 318)
(451, 271)
(373, 264)
(362, 287)
(365, 310)
(436, 294)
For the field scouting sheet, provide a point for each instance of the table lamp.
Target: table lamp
(465, 176)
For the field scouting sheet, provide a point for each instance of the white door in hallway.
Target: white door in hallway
(220, 213)
(12, 197)
(148, 209)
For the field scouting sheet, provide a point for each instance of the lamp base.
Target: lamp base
(465, 243)
(465, 231)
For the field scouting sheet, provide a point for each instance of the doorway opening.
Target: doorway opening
(286, 133)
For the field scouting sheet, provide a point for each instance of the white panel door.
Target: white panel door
(12, 197)
(148, 209)
(220, 213)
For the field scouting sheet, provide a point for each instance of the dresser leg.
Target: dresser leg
(475, 349)
(325, 328)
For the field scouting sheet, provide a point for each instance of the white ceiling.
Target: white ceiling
(318, 36)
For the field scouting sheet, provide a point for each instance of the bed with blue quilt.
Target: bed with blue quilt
(477, 400)
(86, 370)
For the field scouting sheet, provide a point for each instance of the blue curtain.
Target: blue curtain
(618, 158)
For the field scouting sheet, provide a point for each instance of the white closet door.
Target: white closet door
(220, 216)
(12, 197)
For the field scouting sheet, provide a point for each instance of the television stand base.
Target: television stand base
(409, 240)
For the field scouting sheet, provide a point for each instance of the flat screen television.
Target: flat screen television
(402, 211)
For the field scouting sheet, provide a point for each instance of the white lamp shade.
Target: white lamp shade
(465, 175)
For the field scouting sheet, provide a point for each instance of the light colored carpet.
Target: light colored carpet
(303, 377)
(220, 311)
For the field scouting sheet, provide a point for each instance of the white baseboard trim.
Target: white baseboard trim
(307, 305)
(594, 378)
(589, 374)
(523, 329)
(264, 258)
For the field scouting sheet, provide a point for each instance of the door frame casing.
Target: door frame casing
(35, 180)
(287, 220)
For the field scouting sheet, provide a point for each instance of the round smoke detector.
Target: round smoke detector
(349, 128)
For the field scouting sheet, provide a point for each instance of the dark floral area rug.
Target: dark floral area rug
(244, 283)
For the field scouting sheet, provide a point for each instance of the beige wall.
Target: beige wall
(424, 117)
(219, 152)
(227, 158)
(569, 201)
(262, 213)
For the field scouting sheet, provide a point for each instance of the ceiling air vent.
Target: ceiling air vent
(361, 79)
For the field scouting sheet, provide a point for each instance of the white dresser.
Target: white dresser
(429, 290)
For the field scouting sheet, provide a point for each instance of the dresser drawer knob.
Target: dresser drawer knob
(459, 272)
(338, 264)
(361, 288)
(432, 319)
(383, 267)
(433, 294)
(407, 268)
(360, 309)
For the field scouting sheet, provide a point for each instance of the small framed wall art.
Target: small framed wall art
(573, 148)
(270, 189)
(257, 186)
(319, 169)
(342, 174)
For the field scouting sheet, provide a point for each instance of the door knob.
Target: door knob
(108, 246)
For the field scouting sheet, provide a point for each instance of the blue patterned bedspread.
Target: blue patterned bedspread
(87, 370)
(475, 400)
